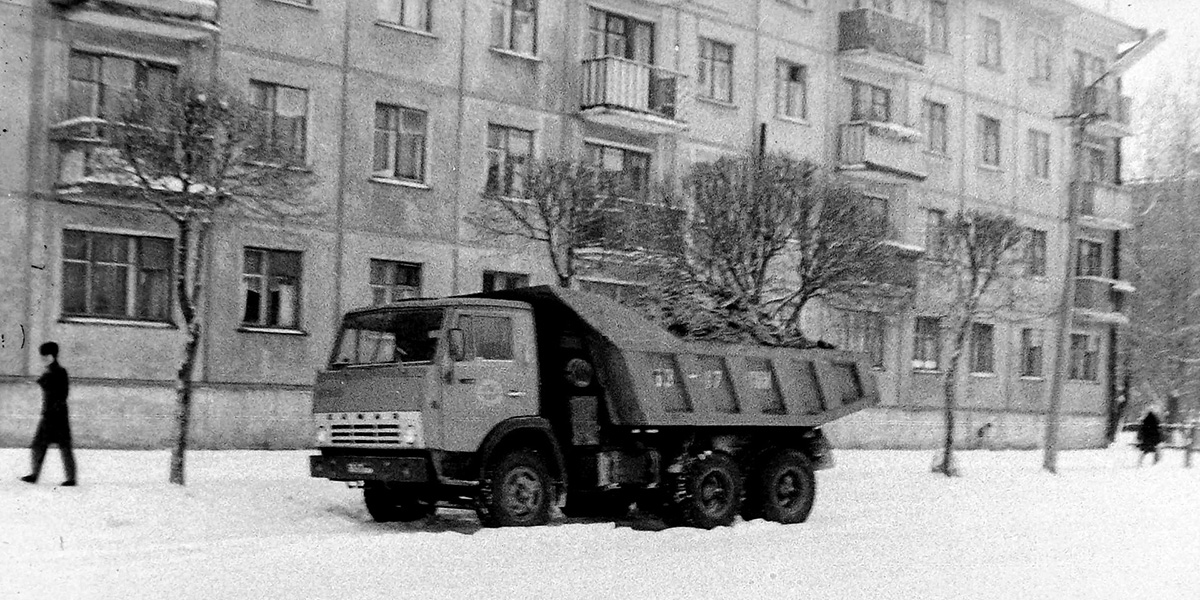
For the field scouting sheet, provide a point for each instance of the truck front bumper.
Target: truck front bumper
(401, 469)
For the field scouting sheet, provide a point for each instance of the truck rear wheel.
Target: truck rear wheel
(783, 490)
(387, 504)
(708, 492)
(517, 492)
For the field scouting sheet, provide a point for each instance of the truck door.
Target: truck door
(496, 378)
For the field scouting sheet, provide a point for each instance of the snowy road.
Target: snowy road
(883, 528)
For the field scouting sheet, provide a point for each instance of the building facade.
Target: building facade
(406, 109)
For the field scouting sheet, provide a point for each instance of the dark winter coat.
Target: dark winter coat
(55, 427)
(1149, 434)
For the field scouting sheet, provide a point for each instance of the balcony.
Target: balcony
(631, 95)
(882, 151)
(1100, 299)
(628, 225)
(1111, 110)
(1102, 206)
(881, 40)
(185, 20)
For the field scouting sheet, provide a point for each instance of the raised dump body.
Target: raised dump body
(508, 401)
(654, 379)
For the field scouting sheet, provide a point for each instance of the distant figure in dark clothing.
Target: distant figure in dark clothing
(55, 426)
(1149, 436)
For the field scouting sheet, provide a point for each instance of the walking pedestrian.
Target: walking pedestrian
(1149, 436)
(55, 426)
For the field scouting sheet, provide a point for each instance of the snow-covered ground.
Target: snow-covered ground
(253, 525)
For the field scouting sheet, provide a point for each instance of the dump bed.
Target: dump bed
(652, 378)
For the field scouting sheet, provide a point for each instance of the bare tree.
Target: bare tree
(976, 254)
(193, 153)
(767, 235)
(565, 206)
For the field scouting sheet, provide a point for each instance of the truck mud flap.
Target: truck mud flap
(408, 469)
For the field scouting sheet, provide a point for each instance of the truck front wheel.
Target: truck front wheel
(517, 492)
(708, 492)
(386, 504)
(783, 490)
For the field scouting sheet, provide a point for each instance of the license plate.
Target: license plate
(359, 469)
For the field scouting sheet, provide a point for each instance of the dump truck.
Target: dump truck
(511, 402)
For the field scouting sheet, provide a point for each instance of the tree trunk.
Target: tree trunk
(188, 250)
(950, 389)
(183, 398)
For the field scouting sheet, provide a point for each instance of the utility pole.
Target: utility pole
(1082, 113)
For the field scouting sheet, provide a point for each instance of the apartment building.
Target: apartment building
(406, 110)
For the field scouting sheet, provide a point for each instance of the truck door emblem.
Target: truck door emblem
(488, 392)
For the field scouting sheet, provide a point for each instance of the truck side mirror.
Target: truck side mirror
(458, 349)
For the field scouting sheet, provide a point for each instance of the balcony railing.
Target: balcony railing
(1103, 206)
(874, 31)
(1116, 109)
(881, 148)
(190, 20)
(631, 94)
(633, 225)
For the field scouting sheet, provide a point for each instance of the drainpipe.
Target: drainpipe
(455, 251)
(344, 101)
(35, 154)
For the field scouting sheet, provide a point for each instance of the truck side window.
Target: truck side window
(489, 338)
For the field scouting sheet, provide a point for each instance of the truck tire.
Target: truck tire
(386, 504)
(707, 492)
(517, 491)
(783, 490)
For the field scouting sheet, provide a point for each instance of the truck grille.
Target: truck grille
(370, 429)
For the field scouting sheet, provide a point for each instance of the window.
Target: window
(935, 233)
(869, 102)
(514, 25)
(989, 141)
(1090, 259)
(392, 281)
(791, 84)
(1032, 343)
(1039, 154)
(878, 207)
(1088, 68)
(939, 26)
(117, 276)
(1035, 252)
(282, 113)
(859, 331)
(499, 280)
(630, 169)
(1085, 351)
(989, 49)
(271, 288)
(936, 132)
(399, 143)
(927, 343)
(413, 14)
(982, 358)
(611, 34)
(485, 337)
(1043, 60)
(408, 336)
(716, 70)
(1095, 165)
(97, 84)
(509, 152)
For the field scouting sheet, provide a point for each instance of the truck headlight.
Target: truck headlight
(410, 435)
(322, 436)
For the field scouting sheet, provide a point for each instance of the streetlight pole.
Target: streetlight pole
(1082, 114)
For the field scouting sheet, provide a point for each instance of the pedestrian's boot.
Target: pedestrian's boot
(68, 483)
(29, 479)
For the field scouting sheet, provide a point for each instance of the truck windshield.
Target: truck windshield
(407, 336)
